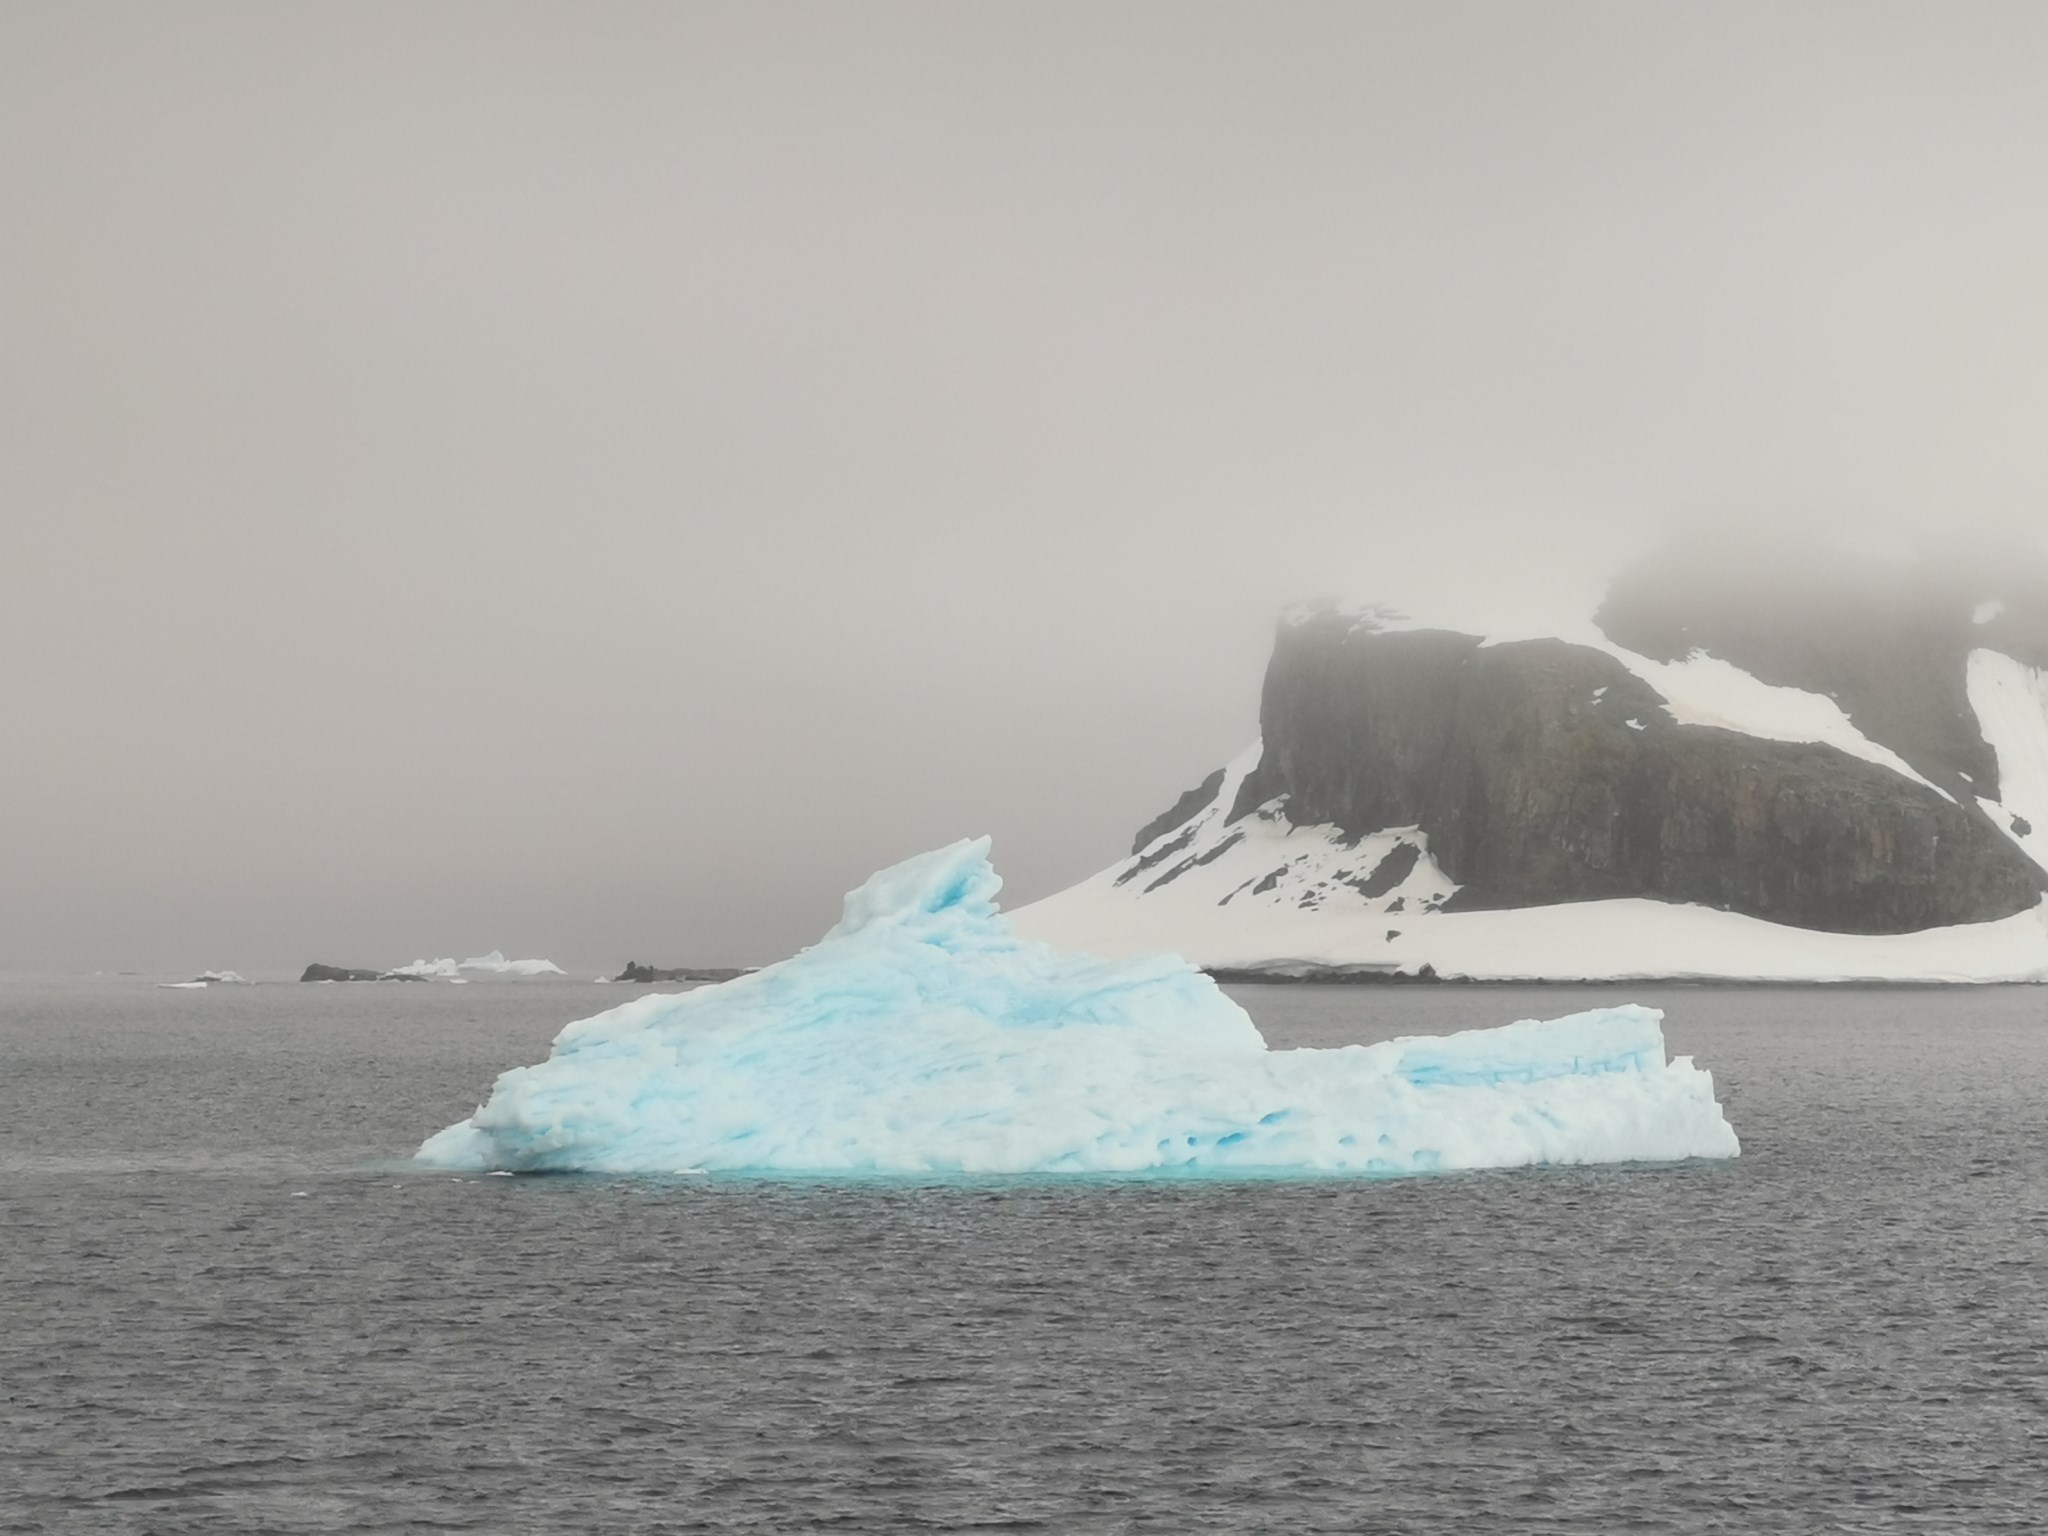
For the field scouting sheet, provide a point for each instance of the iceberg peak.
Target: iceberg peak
(940, 894)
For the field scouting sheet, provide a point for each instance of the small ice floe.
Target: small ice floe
(182, 986)
(211, 978)
(1634, 724)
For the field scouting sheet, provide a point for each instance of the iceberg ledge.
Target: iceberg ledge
(923, 1035)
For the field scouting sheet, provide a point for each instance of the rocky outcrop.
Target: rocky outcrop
(318, 972)
(1542, 771)
(636, 972)
(1545, 772)
(1180, 811)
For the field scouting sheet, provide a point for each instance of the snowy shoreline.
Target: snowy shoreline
(1338, 977)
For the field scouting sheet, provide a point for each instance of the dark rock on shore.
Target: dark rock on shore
(1322, 976)
(637, 972)
(1546, 772)
(317, 972)
(1543, 771)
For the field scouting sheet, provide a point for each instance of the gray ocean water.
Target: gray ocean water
(226, 1307)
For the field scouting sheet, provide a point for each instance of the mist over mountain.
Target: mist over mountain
(601, 481)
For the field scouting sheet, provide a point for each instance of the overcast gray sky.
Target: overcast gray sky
(597, 480)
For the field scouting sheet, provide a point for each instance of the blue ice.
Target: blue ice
(923, 1035)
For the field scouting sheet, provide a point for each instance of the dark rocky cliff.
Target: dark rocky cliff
(1545, 772)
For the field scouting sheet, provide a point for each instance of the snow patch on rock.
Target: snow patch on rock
(1705, 690)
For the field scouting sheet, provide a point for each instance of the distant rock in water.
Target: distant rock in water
(317, 972)
(635, 971)
(1779, 764)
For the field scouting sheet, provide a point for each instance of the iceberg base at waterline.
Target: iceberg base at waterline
(922, 1035)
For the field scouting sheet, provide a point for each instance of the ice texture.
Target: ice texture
(922, 1034)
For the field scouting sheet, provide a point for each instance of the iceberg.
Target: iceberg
(924, 1035)
(494, 964)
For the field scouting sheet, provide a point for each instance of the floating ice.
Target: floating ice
(204, 978)
(922, 1035)
(494, 964)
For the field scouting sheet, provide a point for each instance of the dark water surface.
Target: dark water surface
(224, 1308)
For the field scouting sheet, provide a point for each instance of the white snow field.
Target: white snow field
(923, 1035)
(1633, 939)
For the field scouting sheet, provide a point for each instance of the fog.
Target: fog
(598, 480)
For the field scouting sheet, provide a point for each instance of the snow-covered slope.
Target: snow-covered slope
(1705, 690)
(2010, 700)
(1624, 940)
(1260, 895)
(1258, 874)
